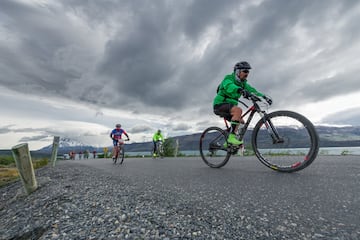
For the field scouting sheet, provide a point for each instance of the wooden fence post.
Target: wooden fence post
(25, 167)
(177, 147)
(55, 147)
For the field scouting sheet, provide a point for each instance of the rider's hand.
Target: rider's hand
(268, 99)
(244, 93)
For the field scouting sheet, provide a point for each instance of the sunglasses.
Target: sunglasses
(245, 71)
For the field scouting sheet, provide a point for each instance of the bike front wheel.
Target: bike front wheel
(285, 141)
(121, 155)
(161, 151)
(213, 147)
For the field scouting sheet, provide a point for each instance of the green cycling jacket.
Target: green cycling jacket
(228, 90)
(158, 137)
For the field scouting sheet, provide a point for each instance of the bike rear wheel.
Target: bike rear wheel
(213, 147)
(285, 141)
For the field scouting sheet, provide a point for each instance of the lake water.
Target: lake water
(322, 151)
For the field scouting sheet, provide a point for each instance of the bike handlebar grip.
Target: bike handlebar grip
(255, 98)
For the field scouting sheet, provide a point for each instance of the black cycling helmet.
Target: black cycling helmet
(118, 125)
(242, 65)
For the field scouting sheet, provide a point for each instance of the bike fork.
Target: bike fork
(273, 132)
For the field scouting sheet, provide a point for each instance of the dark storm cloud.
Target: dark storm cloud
(346, 117)
(140, 129)
(4, 130)
(169, 56)
(34, 138)
(181, 127)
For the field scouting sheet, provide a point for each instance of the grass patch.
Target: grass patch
(8, 175)
(7, 160)
(9, 172)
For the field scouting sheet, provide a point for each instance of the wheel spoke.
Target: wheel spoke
(288, 143)
(212, 149)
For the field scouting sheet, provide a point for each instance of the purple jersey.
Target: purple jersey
(116, 133)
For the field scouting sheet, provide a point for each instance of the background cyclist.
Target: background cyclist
(157, 137)
(231, 89)
(116, 136)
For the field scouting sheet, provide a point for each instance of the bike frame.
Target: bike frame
(159, 146)
(274, 130)
(119, 146)
(255, 108)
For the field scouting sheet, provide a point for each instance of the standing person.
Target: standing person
(116, 136)
(105, 152)
(157, 137)
(230, 90)
(86, 154)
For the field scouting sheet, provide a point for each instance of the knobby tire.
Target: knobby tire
(299, 147)
(212, 149)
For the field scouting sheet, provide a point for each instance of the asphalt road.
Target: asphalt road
(319, 202)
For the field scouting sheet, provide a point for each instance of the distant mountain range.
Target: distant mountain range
(329, 137)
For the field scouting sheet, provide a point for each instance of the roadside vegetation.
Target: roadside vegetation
(9, 172)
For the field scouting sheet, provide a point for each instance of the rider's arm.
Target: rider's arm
(111, 135)
(251, 89)
(126, 135)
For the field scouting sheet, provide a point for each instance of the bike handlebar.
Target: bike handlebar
(253, 98)
(121, 139)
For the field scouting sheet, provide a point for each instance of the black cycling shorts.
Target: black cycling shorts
(223, 110)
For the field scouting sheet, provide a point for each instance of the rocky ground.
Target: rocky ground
(78, 202)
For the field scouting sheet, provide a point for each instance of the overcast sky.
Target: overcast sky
(75, 68)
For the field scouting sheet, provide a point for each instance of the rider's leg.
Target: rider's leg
(114, 149)
(154, 152)
(113, 152)
(235, 120)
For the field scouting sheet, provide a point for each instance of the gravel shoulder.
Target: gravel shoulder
(78, 202)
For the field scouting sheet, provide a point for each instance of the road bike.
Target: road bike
(119, 151)
(284, 141)
(159, 150)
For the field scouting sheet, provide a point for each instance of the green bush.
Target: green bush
(38, 163)
(6, 160)
(345, 152)
(169, 147)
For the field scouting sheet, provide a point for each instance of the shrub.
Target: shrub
(345, 152)
(6, 160)
(38, 163)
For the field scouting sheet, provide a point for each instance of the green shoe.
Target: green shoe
(233, 140)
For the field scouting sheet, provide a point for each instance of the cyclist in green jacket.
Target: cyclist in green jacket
(157, 137)
(230, 90)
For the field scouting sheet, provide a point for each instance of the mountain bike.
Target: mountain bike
(159, 150)
(119, 151)
(284, 141)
